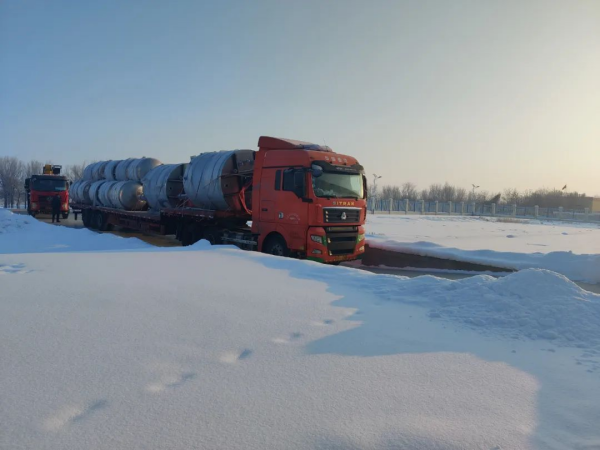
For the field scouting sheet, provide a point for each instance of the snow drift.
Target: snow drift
(572, 250)
(24, 234)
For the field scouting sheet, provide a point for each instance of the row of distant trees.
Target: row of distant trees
(13, 173)
(446, 192)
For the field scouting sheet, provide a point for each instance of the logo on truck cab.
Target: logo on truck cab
(338, 203)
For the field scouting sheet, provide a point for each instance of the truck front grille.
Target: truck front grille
(341, 215)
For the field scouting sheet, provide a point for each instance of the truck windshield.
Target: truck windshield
(338, 185)
(48, 185)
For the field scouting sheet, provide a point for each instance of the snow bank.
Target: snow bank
(23, 234)
(572, 250)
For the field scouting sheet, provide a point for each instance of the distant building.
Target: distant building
(593, 203)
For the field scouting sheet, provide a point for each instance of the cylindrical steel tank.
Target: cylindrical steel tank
(98, 170)
(109, 170)
(93, 193)
(138, 168)
(127, 195)
(214, 180)
(73, 191)
(163, 185)
(88, 172)
(121, 169)
(103, 193)
(83, 192)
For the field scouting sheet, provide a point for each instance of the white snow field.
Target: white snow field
(570, 249)
(216, 348)
(24, 234)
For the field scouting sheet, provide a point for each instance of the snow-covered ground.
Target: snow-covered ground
(24, 234)
(570, 249)
(215, 348)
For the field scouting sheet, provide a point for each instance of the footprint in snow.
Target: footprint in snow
(72, 414)
(170, 381)
(292, 337)
(233, 357)
(510, 236)
(325, 322)
(9, 269)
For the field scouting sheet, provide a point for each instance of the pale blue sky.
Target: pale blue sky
(498, 93)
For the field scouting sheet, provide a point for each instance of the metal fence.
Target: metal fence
(479, 209)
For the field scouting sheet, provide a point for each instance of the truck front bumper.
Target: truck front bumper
(335, 244)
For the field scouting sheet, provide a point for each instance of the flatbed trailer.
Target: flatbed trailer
(187, 224)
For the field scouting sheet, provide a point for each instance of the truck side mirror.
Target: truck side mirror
(299, 184)
(316, 170)
(365, 190)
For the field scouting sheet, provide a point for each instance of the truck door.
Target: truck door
(291, 208)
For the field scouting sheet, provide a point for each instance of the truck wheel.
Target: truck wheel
(32, 213)
(65, 216)
(85, 218)
(213, 236)
(276, 245)
(100, 222)
(186, 234)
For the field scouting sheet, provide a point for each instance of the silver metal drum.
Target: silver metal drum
(127, 195)
(93, 193)
(163, 185)
(121, 169)
(109, 170)
(73, 191)
(98, 170)
(83, 192)
(213, 180)
(104, 193)
(138, 168)
(88, 172)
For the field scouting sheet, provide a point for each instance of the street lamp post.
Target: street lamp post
(375, 178)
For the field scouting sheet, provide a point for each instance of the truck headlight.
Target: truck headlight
(65, 206)
(34, 205)
(360, 237)
(362, 249)
(318, 239)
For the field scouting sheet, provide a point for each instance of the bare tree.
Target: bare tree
(409, 191)
(392, 192)
(33, 167)
(11, 171)
(75, 171)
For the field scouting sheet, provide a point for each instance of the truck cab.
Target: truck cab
(308, 201)
(42, 188)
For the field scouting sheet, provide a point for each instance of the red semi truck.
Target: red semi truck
(289, 198)
(42, 188)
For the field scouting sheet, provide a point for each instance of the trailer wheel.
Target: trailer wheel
(100, 222)
(276, 245)
(85, 218)
(213, 236)
(186, 235)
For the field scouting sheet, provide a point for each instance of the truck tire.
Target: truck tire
(32, 213)
(100, 222)
(65, 215)
(85, 218)
(275, 245)
(187, 235)
(213, 235)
